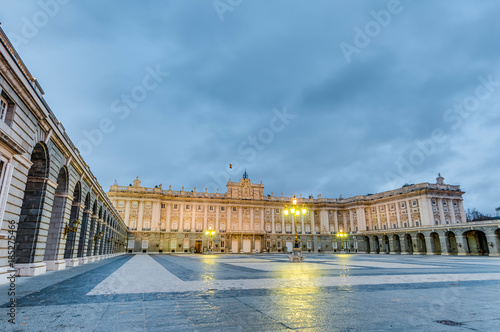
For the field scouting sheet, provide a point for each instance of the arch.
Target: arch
(377, 244)
(27, 245)
(387, 245)
(435, 243)
(367, 244)
(476, 243)
(497, 240)
(396, 243)
(85, 228)
(409, 244)
(451, 243)
(57, 218)
(421, 246)
(74, 222)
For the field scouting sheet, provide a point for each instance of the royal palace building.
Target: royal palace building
(53, 212)
(425, 218)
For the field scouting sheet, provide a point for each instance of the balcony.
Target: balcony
(187, 230)
(222, 231)
(174, 230)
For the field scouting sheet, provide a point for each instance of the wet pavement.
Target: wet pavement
(262, 292)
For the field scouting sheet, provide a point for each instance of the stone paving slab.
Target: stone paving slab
(232, 293)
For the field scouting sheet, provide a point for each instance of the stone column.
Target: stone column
(410, 221)
(169, 226)
(398, 212)
(127, 212)
(205, 217)
(84, 236)
(273, 230)
(452, 212)
(336, 220)
(351, 220)
(56, 240)
(217, 216)
(70, 252)
(442, 218)
(140, 221)
(240, 218)
(180, 227)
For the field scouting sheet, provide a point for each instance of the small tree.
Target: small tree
(475, 215)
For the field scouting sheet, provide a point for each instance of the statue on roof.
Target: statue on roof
(245, 175)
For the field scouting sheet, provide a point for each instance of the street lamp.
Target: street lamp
(296, 211)
(341, 235)
(210, 232)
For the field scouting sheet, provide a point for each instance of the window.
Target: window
(148, 205)
(147, 225)
(188, 207)
(3, 108)
(176, 207)
(433, 201)
(403, 205)
(394, 226)
(268, 211)
(385, 227)
(133, 224)
(444, 202)
(405, 225)
(374, 228)
(277, 211)
(278, 244)
(162, 205)
(174, 226)
(414, 203)
(392, 207)
(121, 203)
(222, 208)
(222, 244)
(234, 208)
(199, 208)
(211, 208)
(416, 223)
(135, 204)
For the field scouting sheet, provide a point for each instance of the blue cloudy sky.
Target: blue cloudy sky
(324, 97)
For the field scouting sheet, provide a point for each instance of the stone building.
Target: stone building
(53, 212)
(423, 218)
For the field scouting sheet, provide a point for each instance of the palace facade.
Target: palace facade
(53, 212)
(425, 218)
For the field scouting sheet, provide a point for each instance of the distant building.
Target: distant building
(418, 218)
(498, 212)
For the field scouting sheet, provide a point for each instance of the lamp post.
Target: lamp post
(341, 235)
(210, 232)
(296, 211)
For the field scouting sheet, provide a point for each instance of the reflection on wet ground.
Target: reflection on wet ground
(264, 292)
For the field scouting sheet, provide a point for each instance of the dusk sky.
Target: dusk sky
(311, 97)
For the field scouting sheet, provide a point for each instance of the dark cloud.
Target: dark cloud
(354, 121)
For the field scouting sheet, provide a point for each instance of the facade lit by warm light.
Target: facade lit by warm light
(419, 218)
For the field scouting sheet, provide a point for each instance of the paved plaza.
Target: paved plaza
(262, 292)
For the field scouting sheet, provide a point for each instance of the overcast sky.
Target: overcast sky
(324, 97)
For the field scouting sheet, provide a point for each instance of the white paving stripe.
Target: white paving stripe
(269, 267)
(142, 274)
